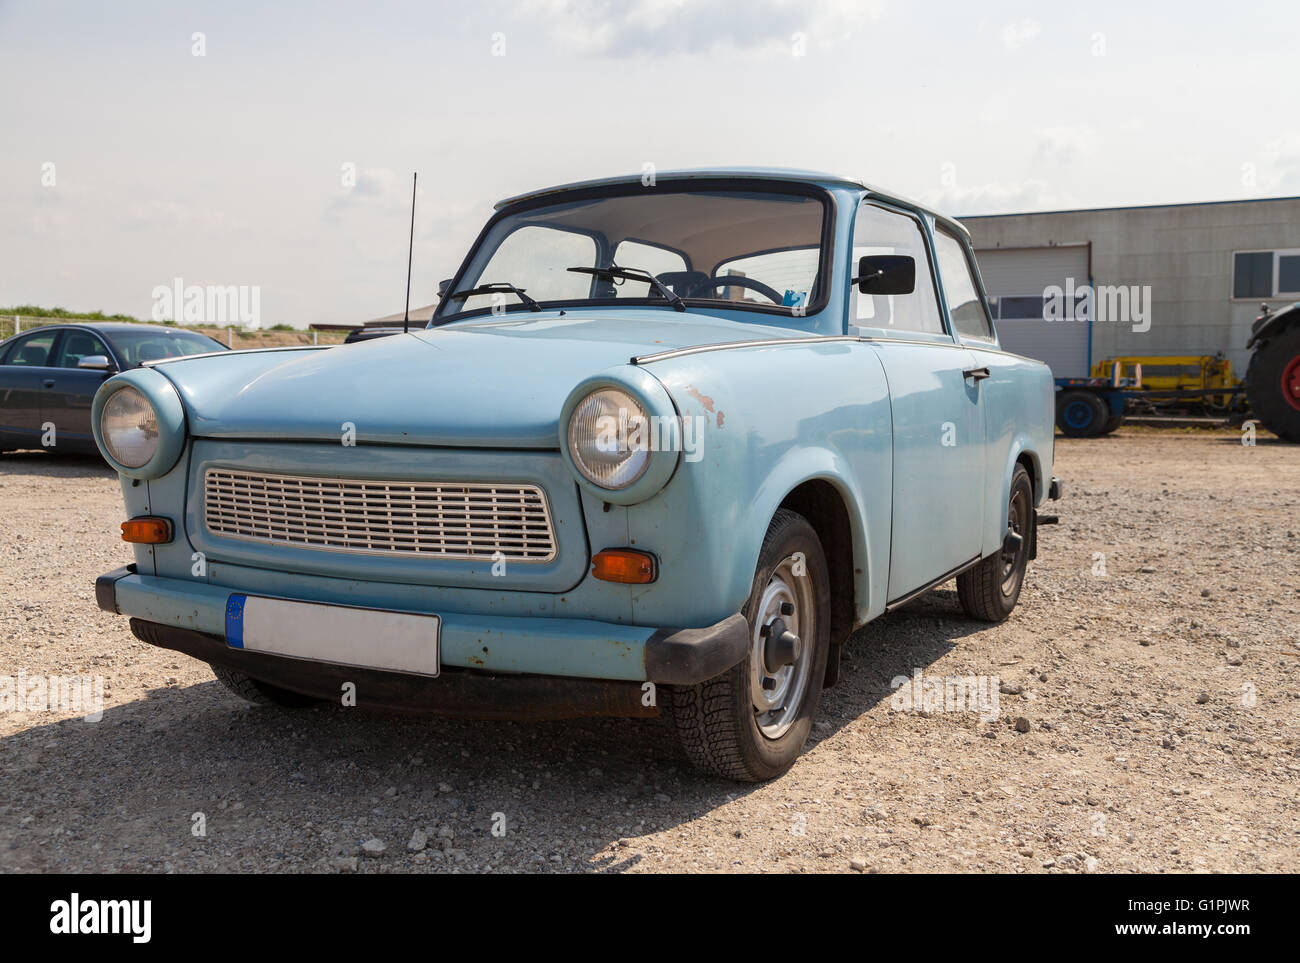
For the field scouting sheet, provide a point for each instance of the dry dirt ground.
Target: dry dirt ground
(1157, 647)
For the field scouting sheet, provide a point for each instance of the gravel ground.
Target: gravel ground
(1152, 664)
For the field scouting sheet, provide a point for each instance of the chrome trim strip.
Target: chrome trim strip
(468, 521)
(727, 345)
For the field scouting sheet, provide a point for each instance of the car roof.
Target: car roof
(795, 175)
(104, 327)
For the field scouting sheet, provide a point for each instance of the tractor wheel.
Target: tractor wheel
(1081, 414)
(1273, 384)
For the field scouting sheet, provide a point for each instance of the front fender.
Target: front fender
(771, 417)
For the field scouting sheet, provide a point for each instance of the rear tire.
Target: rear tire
(750, 722)
(1081, 414)
(990, 590)
(1273, 373)
(260, 693)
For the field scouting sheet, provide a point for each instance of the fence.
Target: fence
(13, 323)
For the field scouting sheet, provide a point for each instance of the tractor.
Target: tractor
(1273, 378)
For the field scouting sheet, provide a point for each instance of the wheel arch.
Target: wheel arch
(824, 507)
(815, 483)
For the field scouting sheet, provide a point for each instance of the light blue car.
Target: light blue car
(665, 443)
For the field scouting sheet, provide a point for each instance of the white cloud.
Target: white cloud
(1064, 144)
(999, 198)
(657, 27)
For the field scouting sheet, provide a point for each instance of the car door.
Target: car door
(23, 368)
(938, 436)
(1007, 394)
(67, 391)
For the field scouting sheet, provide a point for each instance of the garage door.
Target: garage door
(1015, 281)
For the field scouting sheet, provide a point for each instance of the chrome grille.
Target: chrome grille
(368, 516)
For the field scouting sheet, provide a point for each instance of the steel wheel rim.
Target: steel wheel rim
(1291, 382)
(777, 706)
(1018, 522)
(1078, 414)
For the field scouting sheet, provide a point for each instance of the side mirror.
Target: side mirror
(443, 286)
(886, 274)
(96, 362)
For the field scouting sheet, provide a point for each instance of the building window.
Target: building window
(1288, 273)
(1266, 274)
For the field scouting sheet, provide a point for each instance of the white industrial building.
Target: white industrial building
(1208, 268)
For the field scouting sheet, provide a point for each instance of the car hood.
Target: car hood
(496, 382)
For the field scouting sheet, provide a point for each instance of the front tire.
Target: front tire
(751, 722)
(990, 590)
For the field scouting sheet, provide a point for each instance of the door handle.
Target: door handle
(978, 374)
(48, 382)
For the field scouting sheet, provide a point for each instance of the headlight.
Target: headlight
(609, 438)
(129, 426)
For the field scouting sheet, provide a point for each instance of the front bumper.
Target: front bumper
(516, 645)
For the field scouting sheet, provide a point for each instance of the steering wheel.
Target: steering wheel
(736, 280)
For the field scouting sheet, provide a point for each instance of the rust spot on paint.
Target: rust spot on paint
(703, 399)
(476, 660)
(720, 417)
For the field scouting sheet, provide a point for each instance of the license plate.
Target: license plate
(366, 638)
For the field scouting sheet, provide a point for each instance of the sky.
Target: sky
(272, 145)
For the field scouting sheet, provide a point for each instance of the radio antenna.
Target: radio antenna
(410, 250)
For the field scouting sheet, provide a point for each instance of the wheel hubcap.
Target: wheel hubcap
(780, 658)
(1014, 543)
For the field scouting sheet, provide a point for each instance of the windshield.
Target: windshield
(153, 344)
(753, 250)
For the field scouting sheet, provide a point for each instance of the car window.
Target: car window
(75, 346)
(538, 258)
(153, 343)
(667, 265)
(790, 273)
(33, 350)
(964, 304)
(880, 231)
(772, 239)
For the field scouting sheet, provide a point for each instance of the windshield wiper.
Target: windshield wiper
(493, 288)
(633, 274)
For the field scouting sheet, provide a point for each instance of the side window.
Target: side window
(75, 346)
(33, 350)
(968, 313)
(879, 231)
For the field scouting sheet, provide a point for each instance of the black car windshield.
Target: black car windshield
(752, 250)
(154, 344)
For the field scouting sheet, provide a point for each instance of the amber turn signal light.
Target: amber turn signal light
(625, 565)
(147, 530)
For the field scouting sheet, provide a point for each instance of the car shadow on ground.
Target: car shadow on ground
(47, 464)
(294, 790)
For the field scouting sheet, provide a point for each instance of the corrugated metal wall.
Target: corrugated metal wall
(1021, 272)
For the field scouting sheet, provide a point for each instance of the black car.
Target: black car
(49, 375)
